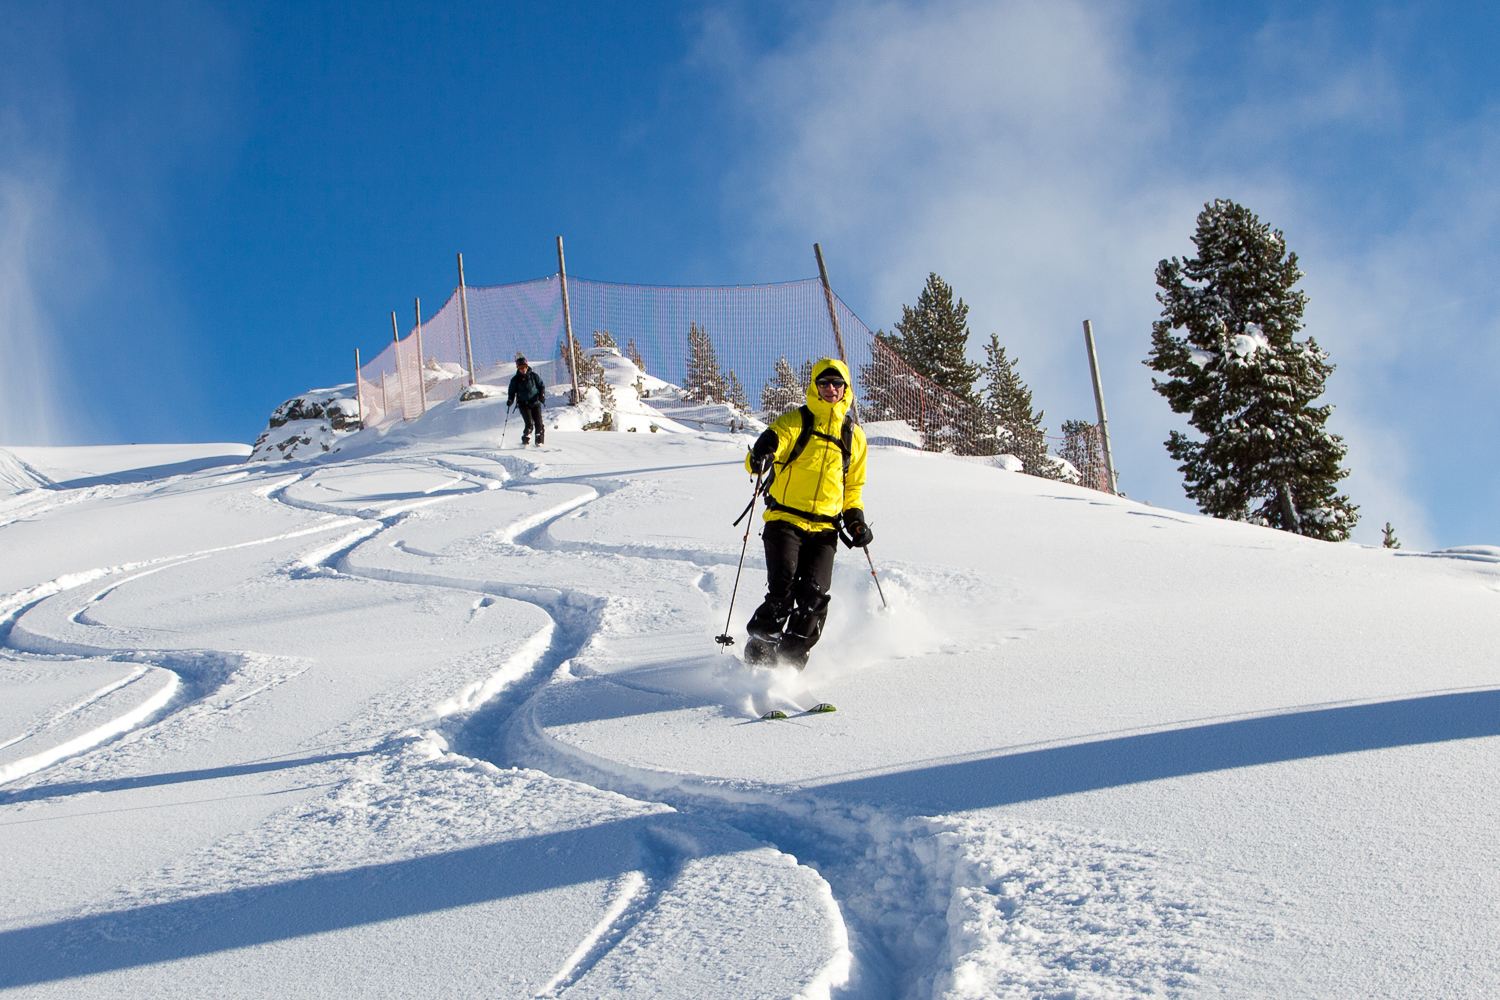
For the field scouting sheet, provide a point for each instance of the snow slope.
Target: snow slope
(428, 717)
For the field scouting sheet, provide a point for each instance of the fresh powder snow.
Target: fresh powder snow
(426, 716)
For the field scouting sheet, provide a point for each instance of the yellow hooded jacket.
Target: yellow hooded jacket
(815, 482)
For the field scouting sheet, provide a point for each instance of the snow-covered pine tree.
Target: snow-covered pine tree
(603, 339)
(1245, 382)
(634, 355)
(1390, 540)
(704, 382)
(1007, 400)
(933, 338)
(734, 392)
(782, 392)
(590, 371)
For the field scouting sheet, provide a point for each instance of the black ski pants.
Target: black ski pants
(799, 570)
(531, 413)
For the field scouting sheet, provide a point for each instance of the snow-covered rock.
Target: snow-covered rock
(310, 424)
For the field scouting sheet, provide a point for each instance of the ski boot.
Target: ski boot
(760, 653)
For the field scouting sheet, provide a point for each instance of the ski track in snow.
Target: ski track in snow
(938, 906)
(946, 908)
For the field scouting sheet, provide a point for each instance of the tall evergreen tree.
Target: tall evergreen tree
(704, 381)
(782, 393)
(1246, 382)
(933, 336)
(1007, 400)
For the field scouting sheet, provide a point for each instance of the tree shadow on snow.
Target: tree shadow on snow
(64, 788)
(1129, 760)
(153, 472)
(243, 918)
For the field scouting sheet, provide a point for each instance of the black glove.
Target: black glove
(858, 532)
(763, 454)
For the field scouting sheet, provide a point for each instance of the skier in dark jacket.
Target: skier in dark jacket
(811, 496)
(528, 393)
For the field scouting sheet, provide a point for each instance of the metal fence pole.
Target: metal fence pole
(562, 272)
(400, 368)
(1109, 462)
(359, 390)
(421, 379)
(463, 310)
(833, 317)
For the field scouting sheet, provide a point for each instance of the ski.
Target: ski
(821, 708)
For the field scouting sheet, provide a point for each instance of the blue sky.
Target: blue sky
(205, 208)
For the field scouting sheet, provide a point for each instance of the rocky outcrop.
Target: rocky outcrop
(308, 425)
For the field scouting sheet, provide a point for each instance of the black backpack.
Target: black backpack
(845, 441)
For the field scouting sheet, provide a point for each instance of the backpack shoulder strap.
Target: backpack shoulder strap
(846, 440)
(803, 436)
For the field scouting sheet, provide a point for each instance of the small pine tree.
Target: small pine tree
(1246, 383)
(734, 392)
(634, 355)
(1007, 400)
(603, 339)
(782, 393)
(590, 372)
(704, 382)
(1390, 540)
(933, 336)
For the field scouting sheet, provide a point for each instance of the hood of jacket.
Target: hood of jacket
(829, 414)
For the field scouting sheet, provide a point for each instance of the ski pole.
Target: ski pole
(726, 639)
(504, 426)
(878, 588)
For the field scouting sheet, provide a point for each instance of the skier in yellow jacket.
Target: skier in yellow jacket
(816, 460)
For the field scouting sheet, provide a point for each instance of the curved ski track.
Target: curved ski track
(895, 943)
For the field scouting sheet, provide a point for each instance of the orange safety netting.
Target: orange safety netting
(751, 328)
